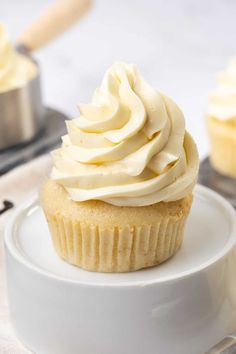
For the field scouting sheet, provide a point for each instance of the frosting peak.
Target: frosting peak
(128, 147)
(15, 69)
(222, 102)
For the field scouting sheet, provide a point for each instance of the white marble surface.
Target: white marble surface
(178, 45)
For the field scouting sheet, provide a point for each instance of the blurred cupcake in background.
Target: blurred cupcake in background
(221, 122)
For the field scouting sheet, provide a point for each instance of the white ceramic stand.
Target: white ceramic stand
(183, 306)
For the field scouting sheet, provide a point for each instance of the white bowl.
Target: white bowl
(183, 306)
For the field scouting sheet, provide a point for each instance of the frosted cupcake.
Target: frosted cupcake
(15, 69)
(221, 121)
(121, 186)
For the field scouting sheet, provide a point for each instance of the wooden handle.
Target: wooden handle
(57, 18)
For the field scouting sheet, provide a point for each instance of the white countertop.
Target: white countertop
(178, 45)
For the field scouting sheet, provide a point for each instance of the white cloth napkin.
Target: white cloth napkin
(16, 186)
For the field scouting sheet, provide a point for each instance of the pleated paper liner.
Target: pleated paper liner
(117, 249)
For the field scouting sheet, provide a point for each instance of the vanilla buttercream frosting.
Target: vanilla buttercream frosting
(15, 69)
(222, 101)
(129, 147)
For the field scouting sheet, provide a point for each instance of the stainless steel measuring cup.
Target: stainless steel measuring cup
(22, 114)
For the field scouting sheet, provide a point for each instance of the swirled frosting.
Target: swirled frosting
(222, 102)
(129, 146)
(15, 69)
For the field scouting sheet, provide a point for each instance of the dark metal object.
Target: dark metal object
(225, 186)
(226, 346)
(6, 206)
(46, 140)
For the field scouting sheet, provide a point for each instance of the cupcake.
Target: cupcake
(121, 185)
(221, 122)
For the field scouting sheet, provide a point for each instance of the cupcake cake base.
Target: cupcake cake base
(222, 137)
(101, 237)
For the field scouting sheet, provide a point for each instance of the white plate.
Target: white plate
(185, 297)
(206, 237)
